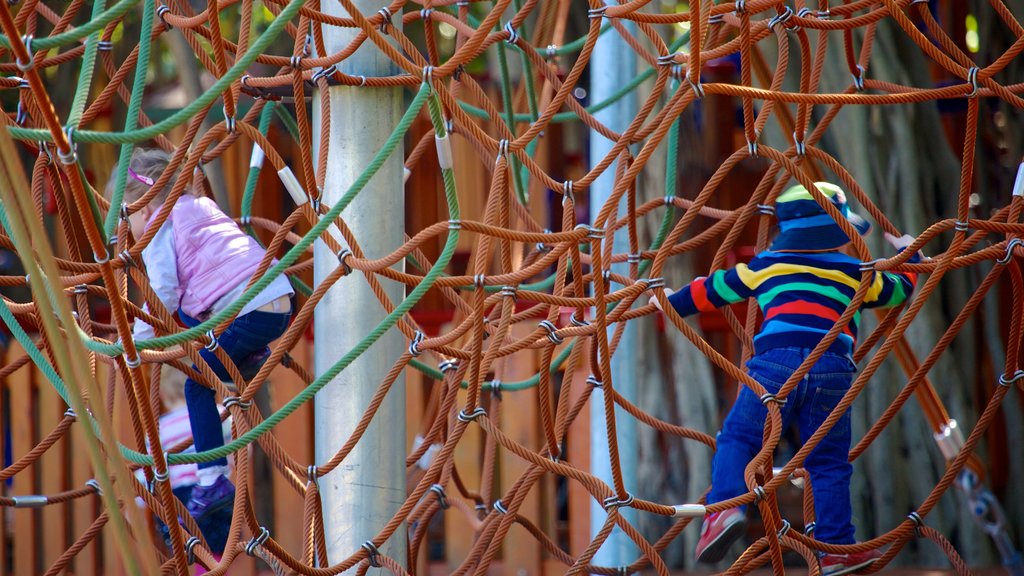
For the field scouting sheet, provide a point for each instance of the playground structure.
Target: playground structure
(550, 295)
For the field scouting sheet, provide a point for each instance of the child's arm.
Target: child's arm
(705, 294)
(162, 271)
(891, 289)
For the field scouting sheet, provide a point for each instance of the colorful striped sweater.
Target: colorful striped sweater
(801, 294)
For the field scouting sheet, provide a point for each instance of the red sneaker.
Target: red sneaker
(719, 531)
(836, 564)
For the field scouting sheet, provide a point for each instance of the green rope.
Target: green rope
(562, 117)
(389, 321)
(291, 256)
(131, 122)
(95, 24)
(181, 116)
(88, 67)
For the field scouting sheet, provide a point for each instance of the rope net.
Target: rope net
(523, 276)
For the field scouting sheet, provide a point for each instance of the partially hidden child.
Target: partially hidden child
(198, 263)
(802, 284)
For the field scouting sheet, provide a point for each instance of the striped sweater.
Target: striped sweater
(801, 294)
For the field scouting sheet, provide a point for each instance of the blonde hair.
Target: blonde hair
(172, 387)
(148, 163)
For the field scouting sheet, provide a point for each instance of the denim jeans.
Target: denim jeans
(810, 403)
(246, 335)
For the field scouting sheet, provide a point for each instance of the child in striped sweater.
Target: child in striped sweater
(802, 284)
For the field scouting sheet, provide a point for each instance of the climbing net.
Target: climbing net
(508, 286)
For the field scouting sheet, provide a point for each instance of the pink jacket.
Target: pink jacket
(213, 254)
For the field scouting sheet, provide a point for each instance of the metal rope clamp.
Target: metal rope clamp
(768, 397)
(781, 19)
(593, 381)
(551, 330)
(448, 365)
(785, 528)
(972, 79)
(161, 12)
(26, 66)
(31, 501)
(499, 507)
(870, 265)
(312, 475)
(551, 51)
(577, 322)
(1009, 251)
(442, 498)
(343, 257)
(71, 156)
(698, 90)
(92, 483)
(801, 146)
(668, 59)
(766, 209)
(568, 193)
(190, 544)
(950, 439)
(257, 541)
(1017, 376)
(373, 553)
(214, 343)
(542, 247)
(858, 78)
(513, 36)
(385, 13)
(652, 283)
(597, 13)
(414, 346)
(476, 413)
(917, 521)
(614, 502)
(324, 73)
(237, 400)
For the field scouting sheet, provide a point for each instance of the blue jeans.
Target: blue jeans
(245, 336)
(810, 403)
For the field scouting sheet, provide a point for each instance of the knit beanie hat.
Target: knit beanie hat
(804, 225)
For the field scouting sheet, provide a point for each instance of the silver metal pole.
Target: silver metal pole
(612, 66)
(367, 489)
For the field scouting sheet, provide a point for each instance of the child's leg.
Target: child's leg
(828, 463)
(742, 434)
(206, 430)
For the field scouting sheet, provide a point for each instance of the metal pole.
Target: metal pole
(613, 65)
(367, 489)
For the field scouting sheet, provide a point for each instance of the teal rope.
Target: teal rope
(181, 116)
(131, 122)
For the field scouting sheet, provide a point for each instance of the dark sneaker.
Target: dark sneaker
(206, 500)
(836, 564)
(719, 531)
